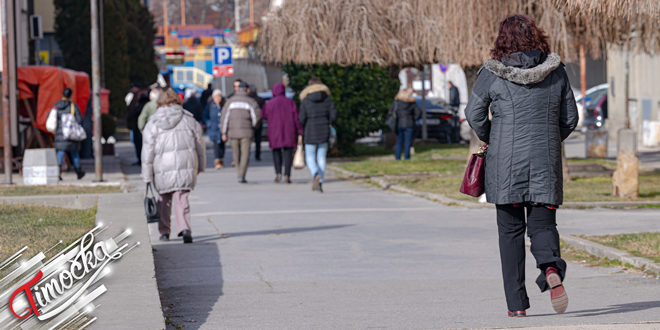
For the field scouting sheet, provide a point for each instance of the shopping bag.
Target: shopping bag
(51, 121)
(151, 205)
(299, 158)
(71, 130)
(474, 180)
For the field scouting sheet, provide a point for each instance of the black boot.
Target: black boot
(187, 236)
(60, 175)
(79, 172)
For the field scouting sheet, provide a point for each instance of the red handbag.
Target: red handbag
(473, 182)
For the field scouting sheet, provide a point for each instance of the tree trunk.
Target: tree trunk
(564, 165)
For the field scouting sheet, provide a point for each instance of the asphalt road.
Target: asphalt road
(278, 256)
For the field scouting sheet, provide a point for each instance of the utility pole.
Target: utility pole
(101, 3)
(583, 76)
(7, 26)
(166, 33)
(96, 92)
(237, 15)
(425, 132)
(183, 12)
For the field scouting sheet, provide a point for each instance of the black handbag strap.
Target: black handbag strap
(150, 189)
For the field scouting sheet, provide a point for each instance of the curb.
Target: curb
(385, 185)
(603, 251)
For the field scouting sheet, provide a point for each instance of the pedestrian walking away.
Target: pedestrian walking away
(132, 124)
(284, 128)
(317, 114)
(533, 110)
(205, 99)
(63, 145)
(211, 116)
(252, 91)
(240, 115)
(407, 113)
(149, 108)
(193, 106)
(173, 155)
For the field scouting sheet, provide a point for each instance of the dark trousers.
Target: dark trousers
(218, 150)
(257, 142)
(137, 141)
(285, 154)
(403, 136)
(542, 230)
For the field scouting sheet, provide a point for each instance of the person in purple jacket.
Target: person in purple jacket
(284, 128)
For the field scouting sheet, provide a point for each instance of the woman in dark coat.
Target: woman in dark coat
(533, 110)
(62, 145)
(317, 113)
(211, 118)
(284, 128)
(407, 113)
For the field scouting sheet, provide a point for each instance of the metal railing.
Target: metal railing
(191, 75)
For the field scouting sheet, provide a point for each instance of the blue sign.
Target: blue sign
(222, 56)
(199, 33)
(443, 68)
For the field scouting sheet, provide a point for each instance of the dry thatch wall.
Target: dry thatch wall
(415, 32)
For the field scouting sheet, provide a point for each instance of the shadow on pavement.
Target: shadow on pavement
(613, 309)
(189, 281)
(206, 238)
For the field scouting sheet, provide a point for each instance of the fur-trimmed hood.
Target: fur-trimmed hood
(408, 100)
(524, 76)
(313, 89)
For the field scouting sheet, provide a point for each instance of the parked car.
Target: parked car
(441, 123)
(592, 94)
(596, 113)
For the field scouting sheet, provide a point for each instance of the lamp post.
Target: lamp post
(96, 91)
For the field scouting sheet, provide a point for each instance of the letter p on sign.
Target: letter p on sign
(222, 56)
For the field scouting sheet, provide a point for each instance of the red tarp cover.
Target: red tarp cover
(52, 81)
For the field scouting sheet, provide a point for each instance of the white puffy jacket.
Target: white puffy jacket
(173, 150)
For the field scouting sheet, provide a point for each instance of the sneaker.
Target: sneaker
(217, 164)
(164, 238)
(320, 187)
(558, 295)
(315, 184)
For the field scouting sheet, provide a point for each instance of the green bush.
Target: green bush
(108, 125)
(362, 95)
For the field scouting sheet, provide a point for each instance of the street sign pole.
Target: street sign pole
(224, 87)
(425, 133)
(96, 92)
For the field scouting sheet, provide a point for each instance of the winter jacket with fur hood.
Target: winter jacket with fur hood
(240, 116)
(407, 112)
(173, 150)
(533, 111)
(317, 113)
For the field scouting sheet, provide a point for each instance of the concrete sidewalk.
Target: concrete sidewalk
(278, 256)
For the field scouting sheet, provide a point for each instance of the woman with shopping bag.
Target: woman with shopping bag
(67, 142)
(284, 130)
(532, 110)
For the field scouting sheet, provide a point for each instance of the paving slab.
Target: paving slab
(278, 256)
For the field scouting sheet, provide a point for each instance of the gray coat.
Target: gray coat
(533, 111)
(173, 150)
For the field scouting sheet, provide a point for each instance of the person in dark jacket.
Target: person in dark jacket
(407, 113)
(252, 92)
(317, 114)
(206, 96)
(62, 145)
(132, 124)
(193, 106)
(211, 116)
(533, 110)
(284, 128)
(454, 96)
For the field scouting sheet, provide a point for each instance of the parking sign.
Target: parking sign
(222, 56)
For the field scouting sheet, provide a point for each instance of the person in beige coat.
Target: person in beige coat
(240, 116)
(173, 154)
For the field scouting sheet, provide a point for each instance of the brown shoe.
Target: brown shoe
(278, 177)
(222, 163)
(287, 179)
(517, 314)
(217, 164)
(233, 163)
(558, 295)
(315, 184)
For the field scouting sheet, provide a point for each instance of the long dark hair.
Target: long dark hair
(519, 33)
